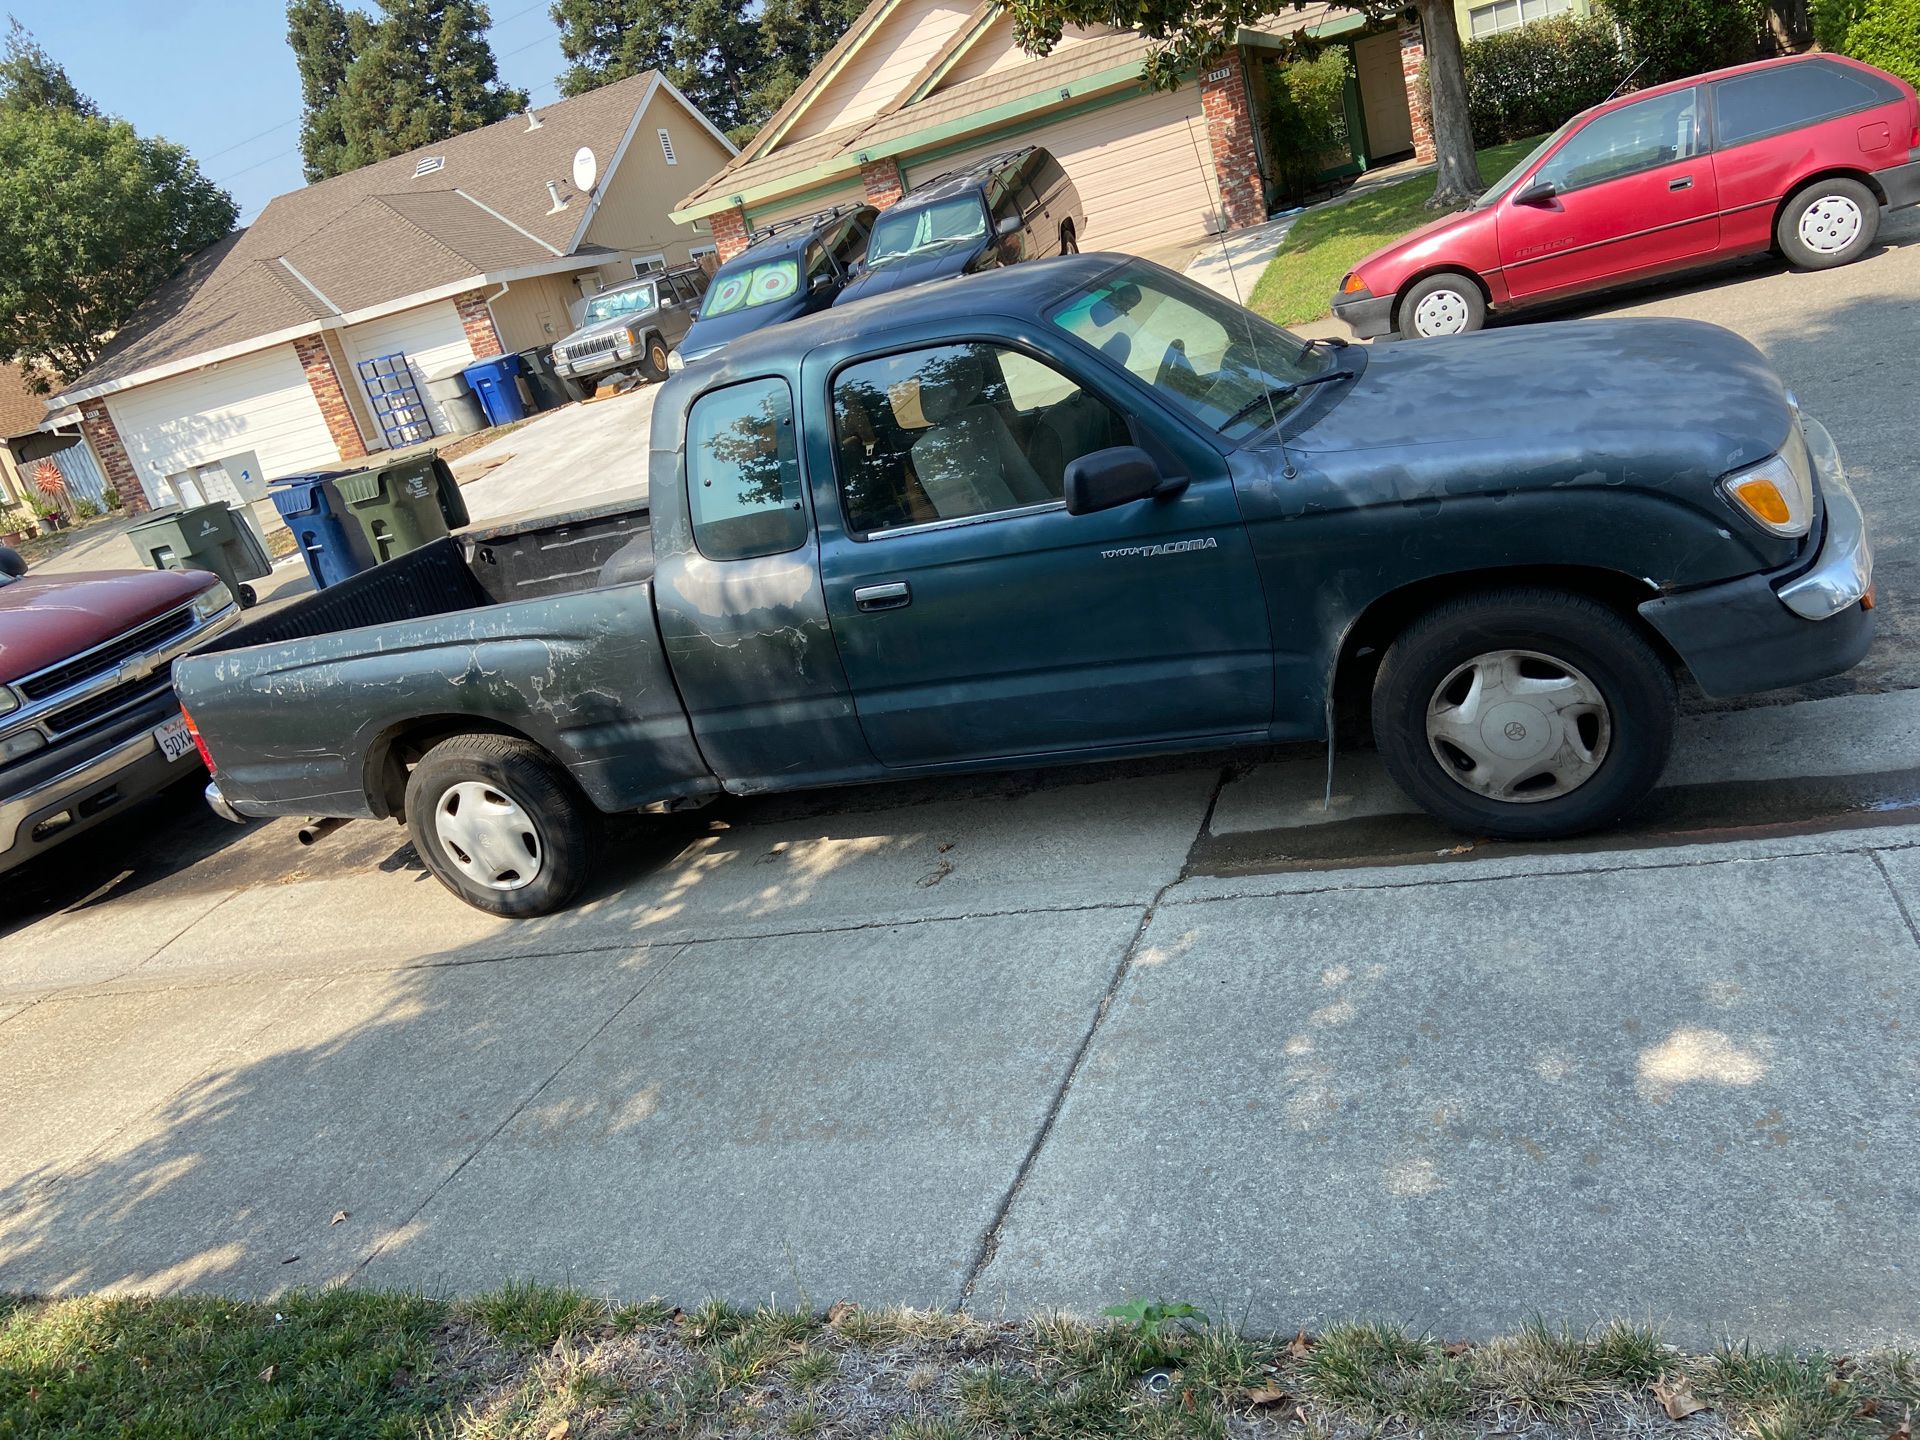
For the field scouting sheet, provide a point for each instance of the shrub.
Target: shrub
(86, 509)
(1307, 118)
(1881, 32)
(1529, 80)
(110, 497)
(1684, 37)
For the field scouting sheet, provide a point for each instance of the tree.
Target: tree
(1191, 33)
(420, 71)
(737, 69)
(93, 218)
(1685, 37)
(31, 79)
(325, 37)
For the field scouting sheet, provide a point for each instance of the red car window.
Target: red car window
(1636, 137)
(1786, 97)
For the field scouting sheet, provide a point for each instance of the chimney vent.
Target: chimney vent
(553, 193)
(533, 122)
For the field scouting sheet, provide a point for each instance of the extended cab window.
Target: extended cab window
(1626, 141)
(959, 431)
(743, 472)
(1785, 97)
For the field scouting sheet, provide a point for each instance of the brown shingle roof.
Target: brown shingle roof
(418, 233)
(21, 411)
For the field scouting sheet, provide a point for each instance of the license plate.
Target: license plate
(175, 742)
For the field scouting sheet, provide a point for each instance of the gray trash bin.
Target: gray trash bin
(463, 409)
(214, 537)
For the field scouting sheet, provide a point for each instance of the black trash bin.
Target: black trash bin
(536, 371)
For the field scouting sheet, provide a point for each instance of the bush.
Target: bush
(1307, 118)
(111, 498)
(1684, 37)
(85, 509)
(1881, 32)
(1529, 80)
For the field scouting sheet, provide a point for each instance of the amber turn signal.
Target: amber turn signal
(1352, 285)
(1762, 498)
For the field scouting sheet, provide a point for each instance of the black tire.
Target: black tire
(1069, 239)
(563, 823)
(248, 597)
(1606, 650)
(1456, 294)
(654, 367)
(1838, 206)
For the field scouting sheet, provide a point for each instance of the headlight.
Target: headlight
(1776, 494)
(209, 603)
(25, 743)
(675, 362)
(9, 702)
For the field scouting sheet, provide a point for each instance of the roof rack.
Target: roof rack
(806, 222)
(985, 163)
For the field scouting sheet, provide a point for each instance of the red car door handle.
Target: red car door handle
(1682, 182)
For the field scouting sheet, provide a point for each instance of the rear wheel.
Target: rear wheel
(1524, 714)
(1443, 304)
(1831, 222)
(501, 825)
(654, 367)
(1069, 241)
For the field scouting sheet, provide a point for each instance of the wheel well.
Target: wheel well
(1414, 279)
(396, 750)
(1376, 627)
(1838, 172)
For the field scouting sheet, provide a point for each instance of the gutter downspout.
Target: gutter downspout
(505, 286)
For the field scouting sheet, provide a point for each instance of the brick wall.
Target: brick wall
(881, 180)
(324, 381)
(1413, 61)
(730, 233)
(1236, 161)
(99, 429)
(478, 321)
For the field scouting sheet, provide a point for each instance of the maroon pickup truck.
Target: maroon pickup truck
(88, 721)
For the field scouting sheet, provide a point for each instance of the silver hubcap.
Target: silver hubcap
(1830, 224)
(488, 837)
(1444, 312)
(1518, 726)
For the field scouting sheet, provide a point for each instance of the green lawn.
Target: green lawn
(1323, 246)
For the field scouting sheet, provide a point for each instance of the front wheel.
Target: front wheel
(1069, 241)
(1831, 222)
(1524, 714)
(1443, 304)
(501, 825)
(655, 365)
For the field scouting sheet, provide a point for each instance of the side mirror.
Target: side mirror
(824, 283)
(12, 566)
(1538, 193)
(1009, 225)
(1117, 476)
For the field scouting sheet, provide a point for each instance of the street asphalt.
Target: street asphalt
(1173, 1030)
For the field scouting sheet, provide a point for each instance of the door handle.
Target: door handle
(894, 596)
(1680, 182)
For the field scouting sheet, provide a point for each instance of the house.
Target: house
(37, 447)
(1481, 18)
(919, 86)
(306, 340)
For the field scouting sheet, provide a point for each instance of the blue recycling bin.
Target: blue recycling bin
(497, 383)
(330, 542)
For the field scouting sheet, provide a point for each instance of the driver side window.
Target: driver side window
(958, 431)
(1626, 141)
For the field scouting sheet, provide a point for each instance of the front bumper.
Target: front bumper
(1901, 183)
(1762, 632)
(1369, 316)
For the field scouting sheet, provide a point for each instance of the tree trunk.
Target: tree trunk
(1792, 27)
(1459, 180)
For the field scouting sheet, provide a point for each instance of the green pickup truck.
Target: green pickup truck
(1075, 510)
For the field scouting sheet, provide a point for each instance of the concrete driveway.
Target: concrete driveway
(571, 455)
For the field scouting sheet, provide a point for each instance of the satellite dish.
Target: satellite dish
(586, 169)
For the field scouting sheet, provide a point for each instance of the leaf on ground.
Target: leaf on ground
(1905, 1432)
(1299, 1345)
(1676, 1395)
(1869, 1408)
(266, 1375)
(840, 1310)
(338, 1216)
(561, 1429)
(1454, 1349)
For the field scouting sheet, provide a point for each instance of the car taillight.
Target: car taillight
(198, 744)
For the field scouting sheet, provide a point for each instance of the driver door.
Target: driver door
(977, 619)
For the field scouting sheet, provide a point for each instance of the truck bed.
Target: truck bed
(523, 627)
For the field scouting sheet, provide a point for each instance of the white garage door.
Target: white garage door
(258, 402)
(1142, 168)
(431, 337)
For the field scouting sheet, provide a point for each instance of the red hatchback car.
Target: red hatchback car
(1797, 155)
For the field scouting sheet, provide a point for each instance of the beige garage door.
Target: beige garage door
(1142, 167)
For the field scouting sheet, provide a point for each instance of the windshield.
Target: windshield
(751, 285)
(1507, 181)
(930, 227)
(1221, 364)
(620, 302)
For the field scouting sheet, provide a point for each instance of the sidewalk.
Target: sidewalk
(1009, 1045)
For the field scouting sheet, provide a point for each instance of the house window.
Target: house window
(666, 147)
(1503, 15)
(648, 264)
(694, 252)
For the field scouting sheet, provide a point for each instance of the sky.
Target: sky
(217, 77)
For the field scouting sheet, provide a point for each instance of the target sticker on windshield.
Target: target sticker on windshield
(774, 282)
(729, 292)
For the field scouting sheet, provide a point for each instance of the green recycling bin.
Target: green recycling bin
(402, 506)
(215, 538)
